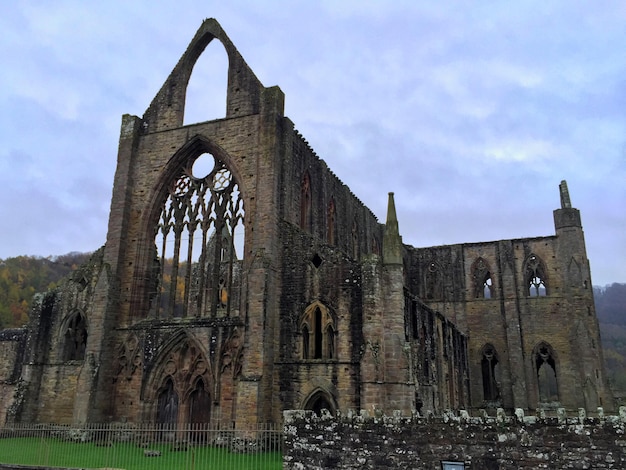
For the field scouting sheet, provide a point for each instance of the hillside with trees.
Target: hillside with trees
(611, 311)
(23, 276)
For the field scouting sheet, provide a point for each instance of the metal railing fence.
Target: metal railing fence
(145, 446)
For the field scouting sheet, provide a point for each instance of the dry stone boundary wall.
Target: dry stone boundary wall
(486, 442)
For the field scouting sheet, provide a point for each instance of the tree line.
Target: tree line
(22, 277)
(611, 311)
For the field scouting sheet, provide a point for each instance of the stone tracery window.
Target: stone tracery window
(481, 277)
(74, 337)
(535, 276)
(197, 236)
(318, 328)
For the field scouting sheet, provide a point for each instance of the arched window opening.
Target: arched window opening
(330, 342)
(318, 333)
(74, 338)
(208, 86)
(490, 373)
(375, 246)
(319, 336)
(167, 412)
(545, 366)
(306, 353)
(355, 240)
(433, 282)
(330, 223)
(199, 240)
(199, 404)
(482, 280)
(305, 202)
(536, 285)
(414, 321)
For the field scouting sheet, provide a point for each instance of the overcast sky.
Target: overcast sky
(471, 112)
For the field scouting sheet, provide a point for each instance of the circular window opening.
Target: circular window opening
(203, 166)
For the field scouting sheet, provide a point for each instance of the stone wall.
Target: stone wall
(486, 442)
(12, 347)
(514, 324)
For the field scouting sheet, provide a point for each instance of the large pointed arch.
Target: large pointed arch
(181, 377)
(244, 90)
(207, 87)
(188, 198)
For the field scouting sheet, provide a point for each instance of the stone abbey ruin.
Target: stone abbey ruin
(262, 284)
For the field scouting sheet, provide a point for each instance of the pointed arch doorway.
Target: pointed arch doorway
(179, 390)
(319, 401)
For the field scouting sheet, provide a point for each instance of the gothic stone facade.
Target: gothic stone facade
(240, 277)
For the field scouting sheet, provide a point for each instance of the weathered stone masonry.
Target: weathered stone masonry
(240, 277)
(486, 442)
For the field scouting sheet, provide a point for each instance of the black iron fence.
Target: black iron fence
(147, 446)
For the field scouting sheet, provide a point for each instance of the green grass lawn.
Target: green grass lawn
(58, 453)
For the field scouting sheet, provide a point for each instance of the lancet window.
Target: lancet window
(318, 332)
(535, 275)
(167, 412)
(545, 366)
(355, 240)
(490, 372)
(74, 337)
(433, 282)
(305, 202)
(197, 236)
(330, 223)
(199, 404)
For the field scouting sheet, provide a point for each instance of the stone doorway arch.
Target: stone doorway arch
(320, 400)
